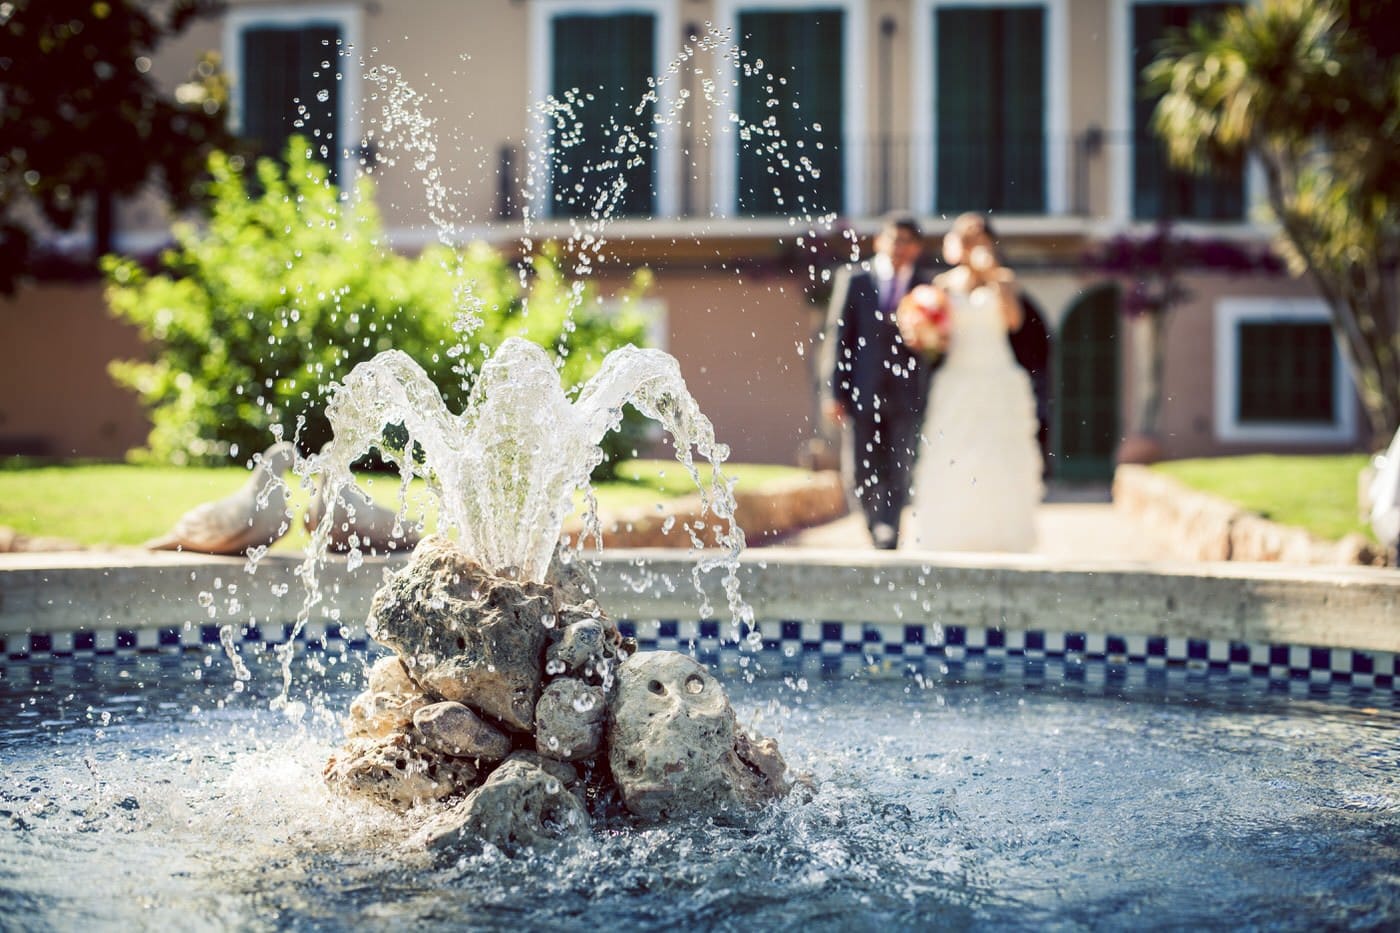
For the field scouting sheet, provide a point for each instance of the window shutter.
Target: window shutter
(279, 65)
(1021, 189)
(990, 110)
(804, 55)
(610, 58)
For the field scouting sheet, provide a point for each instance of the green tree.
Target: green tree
(82, 121)
(1311, 89)
(283, 291)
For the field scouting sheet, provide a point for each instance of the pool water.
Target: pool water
(148, 792)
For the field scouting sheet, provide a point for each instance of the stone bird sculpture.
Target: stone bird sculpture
(254, 516)
(371, 527)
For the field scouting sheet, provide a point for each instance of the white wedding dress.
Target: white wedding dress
(977, 479)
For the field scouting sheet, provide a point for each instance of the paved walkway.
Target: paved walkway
(1074, 523)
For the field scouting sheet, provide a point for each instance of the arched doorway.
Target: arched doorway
(1085, 433)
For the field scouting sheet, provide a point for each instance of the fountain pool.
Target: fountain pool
(962, 774)
(143, 791)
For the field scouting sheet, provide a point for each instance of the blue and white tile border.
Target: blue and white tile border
(779, 646)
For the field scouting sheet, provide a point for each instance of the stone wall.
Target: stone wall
(779, 508)
(1198, 526)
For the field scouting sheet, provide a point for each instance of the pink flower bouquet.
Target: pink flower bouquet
(923, 319)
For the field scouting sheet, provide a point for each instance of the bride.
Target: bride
(977, 477)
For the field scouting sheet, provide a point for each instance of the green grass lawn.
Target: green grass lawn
(118, 504)
(1313, 492)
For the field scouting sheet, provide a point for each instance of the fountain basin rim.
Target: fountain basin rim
(1322, 607)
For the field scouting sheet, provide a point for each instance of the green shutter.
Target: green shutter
(805, 51)
(990, 110)
(1160, 191)
(610, 58)
(1286, 373)
(281, 71)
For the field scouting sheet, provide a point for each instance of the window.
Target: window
(1279, 375)
(1285, 372)
(1160, 192)
(790, 106)
(791, 111)
(606, 154)
(288, 78)
(603, 154)
(989, 109)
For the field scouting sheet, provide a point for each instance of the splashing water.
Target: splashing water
(505, 470)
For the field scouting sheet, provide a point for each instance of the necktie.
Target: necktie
(889, 295)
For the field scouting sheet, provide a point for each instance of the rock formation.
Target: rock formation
(524, 704)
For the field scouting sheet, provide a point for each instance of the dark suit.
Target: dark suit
(882, 385)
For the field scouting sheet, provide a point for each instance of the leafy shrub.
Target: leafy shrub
(287, 289)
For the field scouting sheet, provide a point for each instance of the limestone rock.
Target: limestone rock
(465, 634)
(572, 582)
(397, 773)
(673, 742)
(569, 720)
(578, 644)
(376, 715)
(387, 675)
(520, 805)
(453, 729)
(590, 648)
(389, 703)
(564, 771)
(761, 756)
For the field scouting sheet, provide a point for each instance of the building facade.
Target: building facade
(740, 149)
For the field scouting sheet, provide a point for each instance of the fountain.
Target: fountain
(506, 687)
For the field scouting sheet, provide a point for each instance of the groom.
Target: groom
(877, 385)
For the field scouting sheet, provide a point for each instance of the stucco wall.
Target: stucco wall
(56, 398)
(1188, 421)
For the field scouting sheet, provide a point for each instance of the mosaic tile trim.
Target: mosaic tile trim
(170, 640)
(884, 643)
(782, 644)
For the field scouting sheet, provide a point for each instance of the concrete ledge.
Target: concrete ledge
(1325, 607)
(1198, 526)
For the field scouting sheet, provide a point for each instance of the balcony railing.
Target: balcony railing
(1041, 176)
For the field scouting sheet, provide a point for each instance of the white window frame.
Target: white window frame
(1121, 93)
(349, 19)
(1230, 313)
(923, 162)
(724, 140)
(666, 46)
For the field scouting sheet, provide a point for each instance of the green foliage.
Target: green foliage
(285, 290)
(1311, 89)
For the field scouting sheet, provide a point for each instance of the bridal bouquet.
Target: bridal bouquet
(923, 320)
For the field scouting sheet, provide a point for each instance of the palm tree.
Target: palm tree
(1311, 90)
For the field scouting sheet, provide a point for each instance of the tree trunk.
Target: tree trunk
(1364, 320)
(103, 224)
